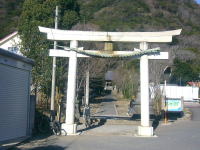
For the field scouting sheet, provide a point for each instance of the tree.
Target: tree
(34, 45)
(126, 78)
(9, 15)
(184, 71)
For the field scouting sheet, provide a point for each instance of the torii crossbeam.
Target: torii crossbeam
(142, 37)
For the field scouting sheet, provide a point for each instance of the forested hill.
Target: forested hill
(9, 14)
(121, 15)
(143, 15)
(147, 15)
(154, 15)
(132, 15)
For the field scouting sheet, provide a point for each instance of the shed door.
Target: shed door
(14, 90)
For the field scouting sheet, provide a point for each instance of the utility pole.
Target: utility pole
(87, 89)
(54, 71)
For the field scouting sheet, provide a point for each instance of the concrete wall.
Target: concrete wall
(187, 92)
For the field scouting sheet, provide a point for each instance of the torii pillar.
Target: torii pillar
(145, 129)
(69, 124)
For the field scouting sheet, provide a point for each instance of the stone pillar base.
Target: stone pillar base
(70, 129)
(145, 131)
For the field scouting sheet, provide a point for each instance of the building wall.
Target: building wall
(15, 104)
(12, 45)
(187, 92)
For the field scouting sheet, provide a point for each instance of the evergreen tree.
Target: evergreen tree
(34, 44)
(184, 72)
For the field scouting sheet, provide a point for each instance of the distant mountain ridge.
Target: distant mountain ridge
(142, 14)
(129, 15)
(148, 15)
(126, 15)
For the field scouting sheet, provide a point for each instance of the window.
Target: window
(13, 49)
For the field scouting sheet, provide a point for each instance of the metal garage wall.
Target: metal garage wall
(14, 99)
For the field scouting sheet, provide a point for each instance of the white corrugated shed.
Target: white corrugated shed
(14, 96)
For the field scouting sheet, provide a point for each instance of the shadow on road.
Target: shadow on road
(50, 147)
(156, 119)
(23, 141)
(171, 117)
(112, 117)
(100, 123)
(101, 100)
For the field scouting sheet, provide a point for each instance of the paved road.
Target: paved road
(182, 135)
(194, 108)
(107, 107)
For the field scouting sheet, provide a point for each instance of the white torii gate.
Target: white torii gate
(74, 36)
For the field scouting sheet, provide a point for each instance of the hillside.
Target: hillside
(142, 14)
(9, 14)
(145, 15)
(153, 15)
(129, 15)
(120, 15)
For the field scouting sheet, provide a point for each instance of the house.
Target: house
(11, 43)
(196, 84)
(16, 106)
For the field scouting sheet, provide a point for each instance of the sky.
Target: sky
(198, 1)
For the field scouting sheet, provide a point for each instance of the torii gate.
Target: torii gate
(143, 37)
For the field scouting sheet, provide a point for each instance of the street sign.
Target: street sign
(174, 105)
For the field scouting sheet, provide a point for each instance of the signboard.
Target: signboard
(174, 105)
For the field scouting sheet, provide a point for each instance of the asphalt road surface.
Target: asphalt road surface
(107, 107)
(182, 135)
